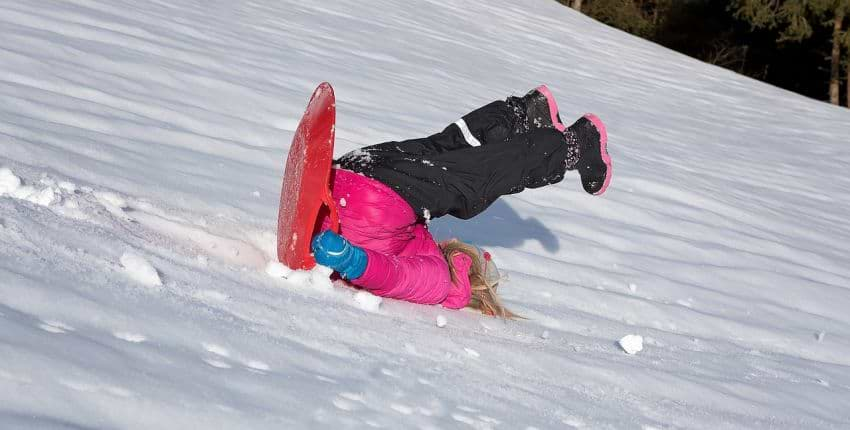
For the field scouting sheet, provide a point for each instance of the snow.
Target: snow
(320, 278)
(140, 269)
(56, 327)
(367, 301)
(68, 187)
(9, 183)
(110, 200)
(129, 337)
(631, 343)
(12, 186)
(161, 129)
(276, 269)
(442, 321)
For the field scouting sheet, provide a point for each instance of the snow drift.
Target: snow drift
(141, 149)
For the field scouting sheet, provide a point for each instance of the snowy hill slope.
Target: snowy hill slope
(141, 148)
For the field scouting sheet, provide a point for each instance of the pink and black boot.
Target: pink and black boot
(594, 163)
(541, 109)
(587, 135)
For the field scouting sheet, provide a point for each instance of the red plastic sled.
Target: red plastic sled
(306, 181)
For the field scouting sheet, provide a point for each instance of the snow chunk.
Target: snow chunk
(257, 365)
(53, 326)
(110, 199)
(129, 337)
(632, 344)
(299, 277)
(216, 349)
(441, 321)
(113, 203)
(9, 183)
(367, 301)
(43, 197)
(140, 269)
(276, 269)
(68, 187)
(218, 364)
(320, 278)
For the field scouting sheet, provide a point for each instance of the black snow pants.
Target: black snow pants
(460, 171)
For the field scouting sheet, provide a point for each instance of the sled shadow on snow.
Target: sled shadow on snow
(500, 225)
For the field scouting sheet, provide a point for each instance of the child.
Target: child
(386, 193)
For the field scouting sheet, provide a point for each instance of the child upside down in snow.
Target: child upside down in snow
(386, 192)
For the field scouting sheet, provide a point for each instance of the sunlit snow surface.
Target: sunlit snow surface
(158, 129)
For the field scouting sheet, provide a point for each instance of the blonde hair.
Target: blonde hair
(484, 297)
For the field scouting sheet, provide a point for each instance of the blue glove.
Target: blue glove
(336, 252)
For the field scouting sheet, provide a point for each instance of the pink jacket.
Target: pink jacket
(404, 261)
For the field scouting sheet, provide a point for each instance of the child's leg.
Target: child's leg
(466, 181)
(501, 121)
(492, 151)
(496, 122)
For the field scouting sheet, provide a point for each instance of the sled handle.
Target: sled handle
(328, 200)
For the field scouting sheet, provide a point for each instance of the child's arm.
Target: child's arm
(420, 275)
(421, 279)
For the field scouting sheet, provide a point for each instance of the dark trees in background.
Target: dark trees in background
(788, 43)
(577, 5)
(639, 17)
(795, 21)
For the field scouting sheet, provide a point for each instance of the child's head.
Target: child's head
(483, 278)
